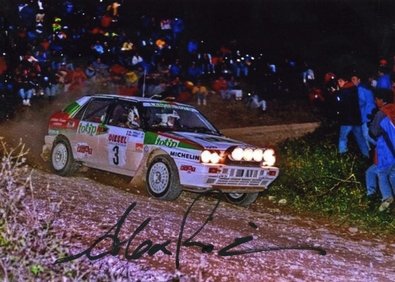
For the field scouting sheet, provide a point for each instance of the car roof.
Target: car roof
(136, 99)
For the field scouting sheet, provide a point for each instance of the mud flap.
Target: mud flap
(138, 180)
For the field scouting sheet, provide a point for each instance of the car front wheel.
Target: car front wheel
(241, 199)
(162, 179)
(62, 159)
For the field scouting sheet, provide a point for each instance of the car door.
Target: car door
(124, 139)
(90, 129)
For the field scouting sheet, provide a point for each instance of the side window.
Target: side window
(125, 114)
(96, 110)
(80, 113)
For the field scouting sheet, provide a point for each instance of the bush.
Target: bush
(314, 177)
(28, 245)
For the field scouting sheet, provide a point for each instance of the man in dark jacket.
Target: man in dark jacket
(349, 115)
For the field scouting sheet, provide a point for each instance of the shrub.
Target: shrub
(28, 245)
(314, 177)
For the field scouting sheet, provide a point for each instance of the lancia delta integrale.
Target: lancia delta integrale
(170, 146)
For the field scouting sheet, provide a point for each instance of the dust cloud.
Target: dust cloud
(30, 124)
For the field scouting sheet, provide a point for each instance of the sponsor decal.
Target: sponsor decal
(167, 142)
(135, 133)
(169, 106)
(84, 149)
(119, 139)
(139, 147)
(151, 138)
(87, 128)
(184, 155)
(53, 132)
(188, 168)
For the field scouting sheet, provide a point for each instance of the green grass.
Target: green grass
(315, 178)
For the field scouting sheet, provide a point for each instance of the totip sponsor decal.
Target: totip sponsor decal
(87, 128)
(167, 142)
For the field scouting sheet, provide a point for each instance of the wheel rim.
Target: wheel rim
(159, 177)
(236, 196)
(59, 156)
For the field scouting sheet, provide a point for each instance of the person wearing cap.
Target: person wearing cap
(383, 130)
(349, 115)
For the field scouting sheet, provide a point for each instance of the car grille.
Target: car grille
(240, 177)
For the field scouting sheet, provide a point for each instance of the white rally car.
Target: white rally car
(169, 146)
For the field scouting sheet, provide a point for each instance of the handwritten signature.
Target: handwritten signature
(151, 248)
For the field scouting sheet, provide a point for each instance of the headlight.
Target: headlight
(269, 158)
(215, 158)
(207, 157)
(237, 154)
(248, 154)
(257, 155)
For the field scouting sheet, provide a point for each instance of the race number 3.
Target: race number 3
(115, 158)
(117, 155)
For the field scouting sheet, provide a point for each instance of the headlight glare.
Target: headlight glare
(237, 154)
(258, 155)
(269, 158)
(215, 158)
(248, 154)
(205, 156)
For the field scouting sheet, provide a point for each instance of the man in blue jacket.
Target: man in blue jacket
(383, 129)
(366, 106)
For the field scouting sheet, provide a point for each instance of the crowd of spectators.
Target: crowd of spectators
(51, 47)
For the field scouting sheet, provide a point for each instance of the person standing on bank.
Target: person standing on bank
(349, 115)
(366, 105)
(382, 128)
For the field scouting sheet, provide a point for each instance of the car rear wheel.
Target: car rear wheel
(162, 179)
(241, 199)
(62, 159)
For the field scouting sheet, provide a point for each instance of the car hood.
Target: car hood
(205, 141)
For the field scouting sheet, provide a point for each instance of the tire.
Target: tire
(62, 160)
(162, 179)
(241, 199)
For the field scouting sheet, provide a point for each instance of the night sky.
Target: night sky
(310, 28)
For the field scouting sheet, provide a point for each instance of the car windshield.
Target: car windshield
(173, 117)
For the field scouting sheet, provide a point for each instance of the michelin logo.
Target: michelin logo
(184, 156)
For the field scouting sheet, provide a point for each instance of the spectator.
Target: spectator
(137, 60)
(349, 115)
(382, 128)
(220, 85)
(200, 91)
(383, 78)
(256, 102)
(49, 82)
(366, 106)
(175, 69)
(194, 72)
(24, 85)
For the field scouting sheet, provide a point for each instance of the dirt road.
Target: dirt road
(275, 246)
